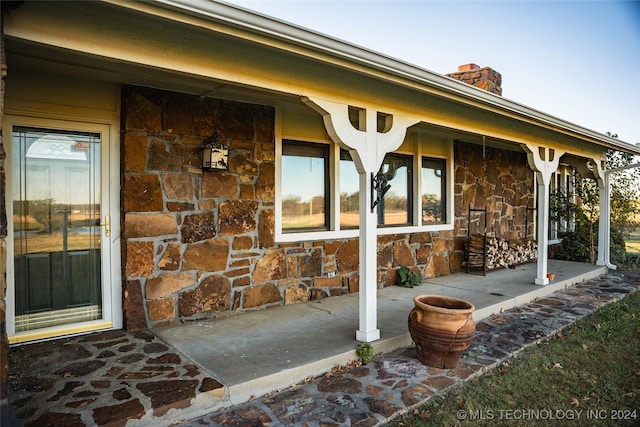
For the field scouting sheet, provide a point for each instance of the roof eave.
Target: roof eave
(253, 23)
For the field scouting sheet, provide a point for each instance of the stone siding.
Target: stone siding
(496, 179)
(201, 245)
(484, 78)
(192, 240)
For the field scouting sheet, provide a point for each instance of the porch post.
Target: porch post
(604, 220)
(544, 161)
(368, 299)
(367, 147)
(604, 224)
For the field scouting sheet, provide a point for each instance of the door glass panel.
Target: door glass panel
(56, 227)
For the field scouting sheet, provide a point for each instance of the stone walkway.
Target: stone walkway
(394, 383)
(113, 377)
(105, 378)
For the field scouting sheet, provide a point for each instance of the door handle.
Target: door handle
(107, 225)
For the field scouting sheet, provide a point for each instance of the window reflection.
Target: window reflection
(304, 186)
(395, 207)
(433, 191)
(55, 196)
(349, 192)
(56, 234)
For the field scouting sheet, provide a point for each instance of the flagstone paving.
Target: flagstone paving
(116, 378)
(105, 378)
(393, 384)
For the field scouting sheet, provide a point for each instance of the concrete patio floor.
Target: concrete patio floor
(161, 377)
(256, 353)
(371, 394)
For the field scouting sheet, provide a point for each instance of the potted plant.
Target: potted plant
(442, 328)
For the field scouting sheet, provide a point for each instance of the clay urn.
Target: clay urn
(442, 328)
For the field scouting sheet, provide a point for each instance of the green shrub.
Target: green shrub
(408, 278)
(365, 352)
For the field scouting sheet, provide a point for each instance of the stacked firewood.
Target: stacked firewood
(476, 251)
(499, 253)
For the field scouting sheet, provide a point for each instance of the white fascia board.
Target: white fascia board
(251, 24)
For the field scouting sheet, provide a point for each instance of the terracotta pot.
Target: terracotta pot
(551, 276)
(442, 328)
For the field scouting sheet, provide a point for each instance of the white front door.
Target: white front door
(60, 229)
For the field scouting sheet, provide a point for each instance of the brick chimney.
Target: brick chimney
(484, 78)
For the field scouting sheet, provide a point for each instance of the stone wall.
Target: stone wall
(201, 245)
(190, 239)
(485, 78)
(501, 181)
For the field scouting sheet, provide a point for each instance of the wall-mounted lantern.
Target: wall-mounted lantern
(379, 188)
(215, 156)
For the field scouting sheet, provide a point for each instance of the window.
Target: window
(319, 190)
(305, 183)
(562, 198)
(434, 191)
(395, 207)
(349, 192)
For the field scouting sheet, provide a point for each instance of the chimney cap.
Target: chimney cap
(467, 67)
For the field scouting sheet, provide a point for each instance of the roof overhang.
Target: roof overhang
(263, 36)
(283, 35)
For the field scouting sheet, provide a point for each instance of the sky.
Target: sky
(576, 60)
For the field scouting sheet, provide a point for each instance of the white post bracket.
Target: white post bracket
(367, 147)
(544, 161)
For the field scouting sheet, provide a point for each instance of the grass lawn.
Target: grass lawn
(589, 375)
(633, 246)
(632, 242)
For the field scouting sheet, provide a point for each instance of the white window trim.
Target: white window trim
(334, 231)
(566, 186)
(280, 236)
(450, 211)
(112, 292)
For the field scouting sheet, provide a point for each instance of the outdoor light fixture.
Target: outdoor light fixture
(379, 188)
(215, 156)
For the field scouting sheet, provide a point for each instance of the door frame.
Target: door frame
(110, 246)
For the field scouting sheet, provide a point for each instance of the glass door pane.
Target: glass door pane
(56, 217)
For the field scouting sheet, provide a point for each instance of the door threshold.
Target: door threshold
(58, 332)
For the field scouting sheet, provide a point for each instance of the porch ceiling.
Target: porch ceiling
(581, 164)
(217, 50)
(23, 56)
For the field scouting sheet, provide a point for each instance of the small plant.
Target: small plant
(408, 278)
(365, 352)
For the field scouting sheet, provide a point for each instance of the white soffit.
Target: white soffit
(249, 25)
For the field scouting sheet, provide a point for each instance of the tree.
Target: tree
(625, 190)
(580, 243)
